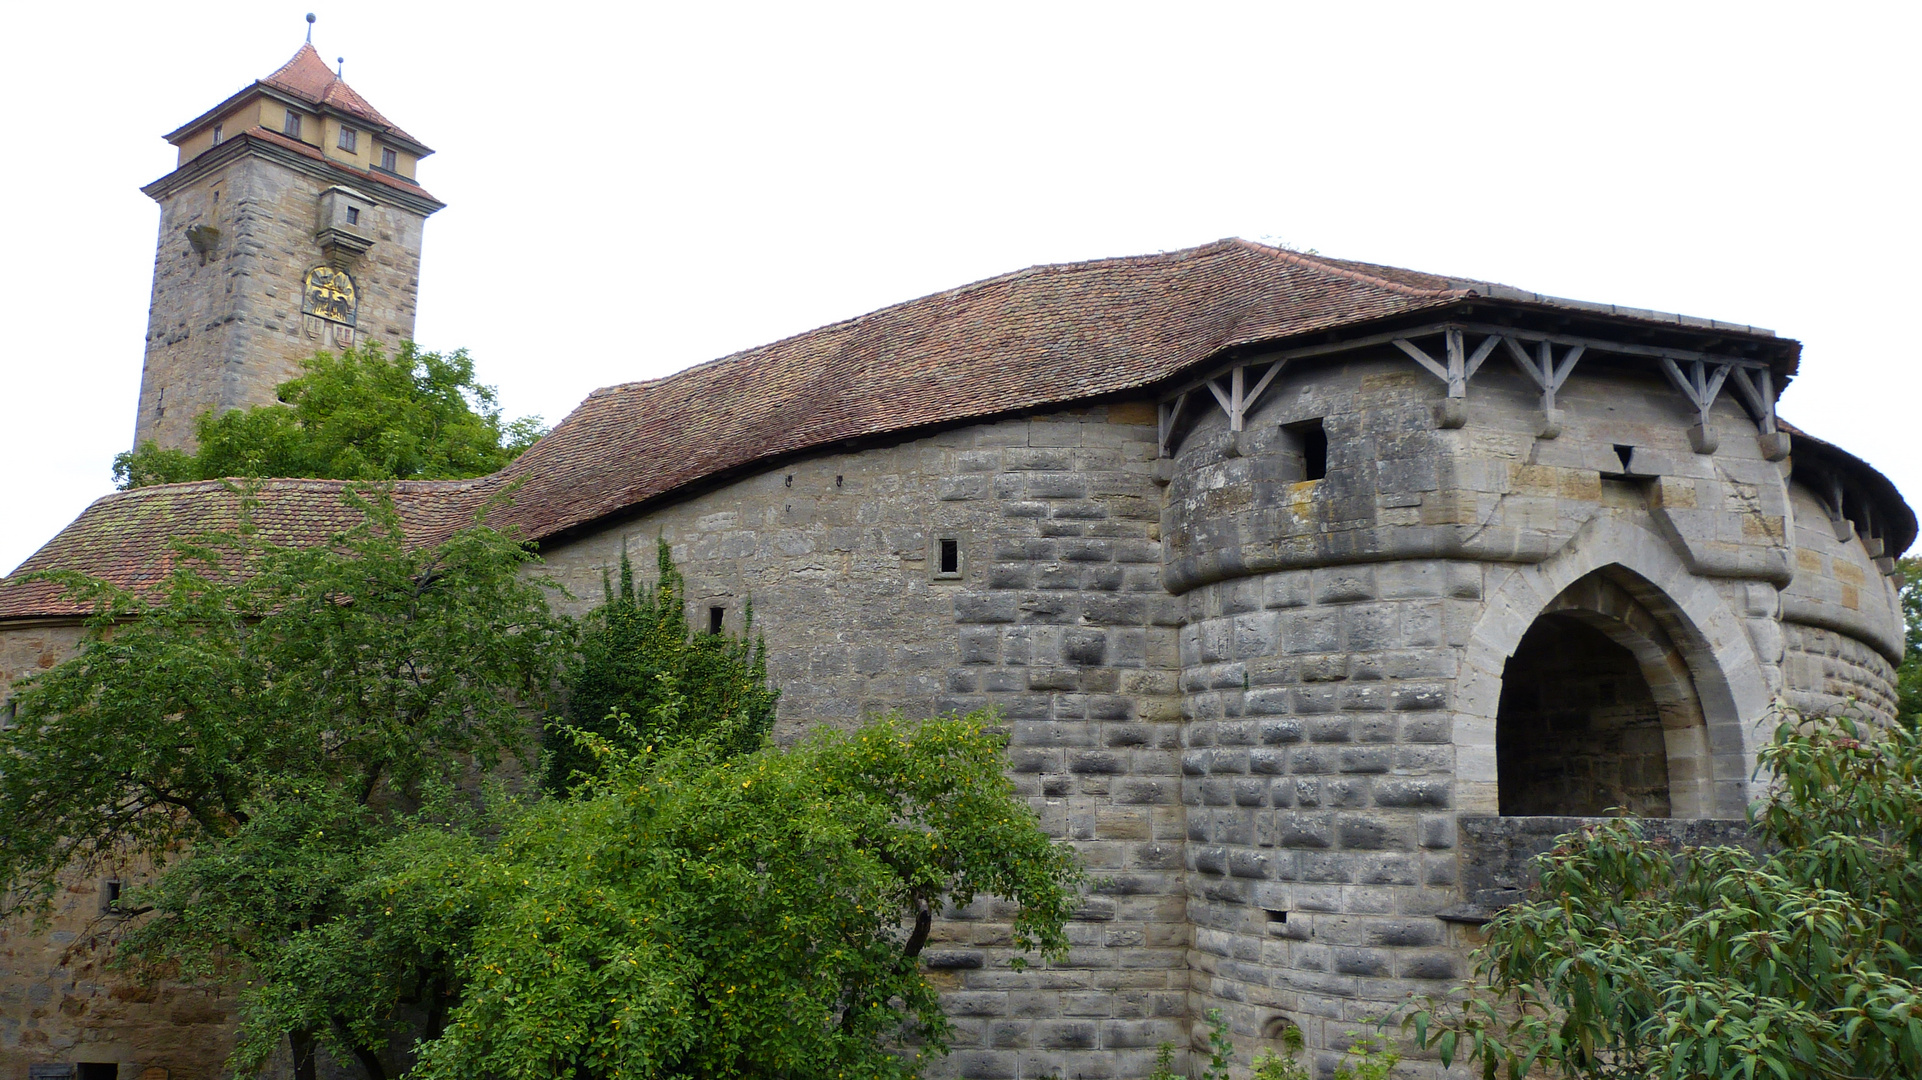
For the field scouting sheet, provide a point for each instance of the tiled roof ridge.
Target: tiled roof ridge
(1036, 270)
(1346, 268)
(307, 76)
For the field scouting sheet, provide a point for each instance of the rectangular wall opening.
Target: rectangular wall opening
(948, 557)
(1311, 438)
(715, 617)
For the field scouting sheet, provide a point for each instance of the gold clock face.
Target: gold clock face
(330, 294)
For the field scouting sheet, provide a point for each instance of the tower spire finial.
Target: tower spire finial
(310, 28)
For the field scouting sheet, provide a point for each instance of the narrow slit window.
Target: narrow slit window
(715, 615)
(216, 134)
(292, 125)
(951, 557)
(349, 140)
(110, 896)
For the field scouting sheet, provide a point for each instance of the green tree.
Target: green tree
(358, 415)
(636, 653)
(1632, 959)
(1908, 677)
(696, 913)
(265, 742)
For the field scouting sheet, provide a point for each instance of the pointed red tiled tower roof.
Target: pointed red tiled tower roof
(308, 77)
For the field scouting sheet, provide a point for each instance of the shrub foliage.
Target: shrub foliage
(1632, 959)
(358, 415)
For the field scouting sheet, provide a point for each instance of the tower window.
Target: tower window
(388, 159)
(714, 617)
(216, 134)
(349, 139)
(950, 556)
(353, 215)
(292, 126)
(110, 896)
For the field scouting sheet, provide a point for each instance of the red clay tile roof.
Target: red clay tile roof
(123, 537)
(1035, 338)
(308, 78)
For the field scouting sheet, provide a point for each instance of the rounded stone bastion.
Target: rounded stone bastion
(1425, 632)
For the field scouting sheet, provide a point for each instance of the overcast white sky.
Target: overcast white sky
(634, 188)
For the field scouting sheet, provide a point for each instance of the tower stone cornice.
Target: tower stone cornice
(379, 187)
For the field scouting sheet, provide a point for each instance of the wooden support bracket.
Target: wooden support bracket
(1460, 367)
(1701, 384)
(1548, 375)
(1756, 387)
(1170, 416)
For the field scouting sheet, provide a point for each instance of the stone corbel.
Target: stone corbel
(203, 239)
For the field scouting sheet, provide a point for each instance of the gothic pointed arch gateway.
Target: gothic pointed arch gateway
(1730, 679)
(1599, 709)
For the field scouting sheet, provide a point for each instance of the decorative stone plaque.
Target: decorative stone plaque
(330, 295)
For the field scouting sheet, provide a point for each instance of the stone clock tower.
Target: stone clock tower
(291, 224)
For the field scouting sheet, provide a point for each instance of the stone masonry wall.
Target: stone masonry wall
(58, 1000)
(1319, 783)
(1058, 620)
(1260, 706)
(1826, 670)
(223, 331)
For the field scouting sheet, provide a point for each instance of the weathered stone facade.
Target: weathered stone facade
(244, 219)
(1262, 706)
(226, 327)
(1314, 596)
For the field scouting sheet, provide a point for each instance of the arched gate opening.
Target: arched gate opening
(1599, 710)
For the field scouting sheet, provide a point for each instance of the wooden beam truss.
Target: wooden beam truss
(1444, 350)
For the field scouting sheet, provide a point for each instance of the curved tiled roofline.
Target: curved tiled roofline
(1900, 525)
(1040, 337)
(1339, 267)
